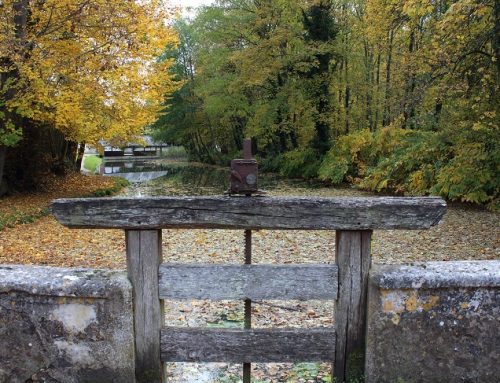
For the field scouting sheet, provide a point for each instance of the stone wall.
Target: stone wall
(434, 322)
(65, 325)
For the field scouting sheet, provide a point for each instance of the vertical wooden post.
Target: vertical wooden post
(143, 260)
(247, 367)
(352, 256)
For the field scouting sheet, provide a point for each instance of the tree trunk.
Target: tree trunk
(377, 95)
(320, 27)
(347, 106)
(370, 85)
(79, 155)
(3, 188)
(346, 49)
(387, 103)
(9, 79)
(496, 37)
(438, 107)
(408, 101)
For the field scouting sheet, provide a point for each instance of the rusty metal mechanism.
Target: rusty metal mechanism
(244, 172)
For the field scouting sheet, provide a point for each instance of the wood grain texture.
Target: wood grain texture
(255, 282)
(353, 259)
(143, 259)
(247, 323)
(308, 213)
(247, 346)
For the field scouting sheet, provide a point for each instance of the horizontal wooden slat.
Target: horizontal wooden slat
(247, 346)
(255, 282)
(309, 213)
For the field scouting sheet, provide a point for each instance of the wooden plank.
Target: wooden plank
(247, 346)
(308, 213)
(247, 324)
(353, 259)
(143, 259)
(255, 282)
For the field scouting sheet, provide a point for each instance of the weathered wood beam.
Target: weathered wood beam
(247, 346)
(308, 213)
(352, 256)
(255, 282)
(143, 259)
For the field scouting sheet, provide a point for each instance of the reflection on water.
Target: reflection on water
(135, 171)
(112, 167)
(183, 178)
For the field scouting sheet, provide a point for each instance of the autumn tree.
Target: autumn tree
(436, 90)
(394, 96)
(261, 69)
(77, 71)
(181, 120)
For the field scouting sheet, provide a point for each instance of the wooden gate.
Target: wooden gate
(152, 281)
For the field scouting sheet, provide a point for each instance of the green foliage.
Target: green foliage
(10, 135)
(356, 366)
(405, 167)
(262, 70)
(400, 161)
(16, 217)
(300, 163)
(120, 183)
(347, 160)
(305, 370)
(271, 164)
(174, 152)
(91, 163)
(393, 97)
(470, 176)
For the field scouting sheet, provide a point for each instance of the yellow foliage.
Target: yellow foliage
(87, 67)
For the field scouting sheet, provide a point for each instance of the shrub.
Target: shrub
(348, 158)
(175, 152)
(300, 163)
(91, 163)
(458, 165)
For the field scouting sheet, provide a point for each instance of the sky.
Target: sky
(191, 3)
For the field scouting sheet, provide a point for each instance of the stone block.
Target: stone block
(65, 325)
(434, 322)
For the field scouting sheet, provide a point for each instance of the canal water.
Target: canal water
(164, 177)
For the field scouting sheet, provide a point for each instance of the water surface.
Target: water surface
(187, 178)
